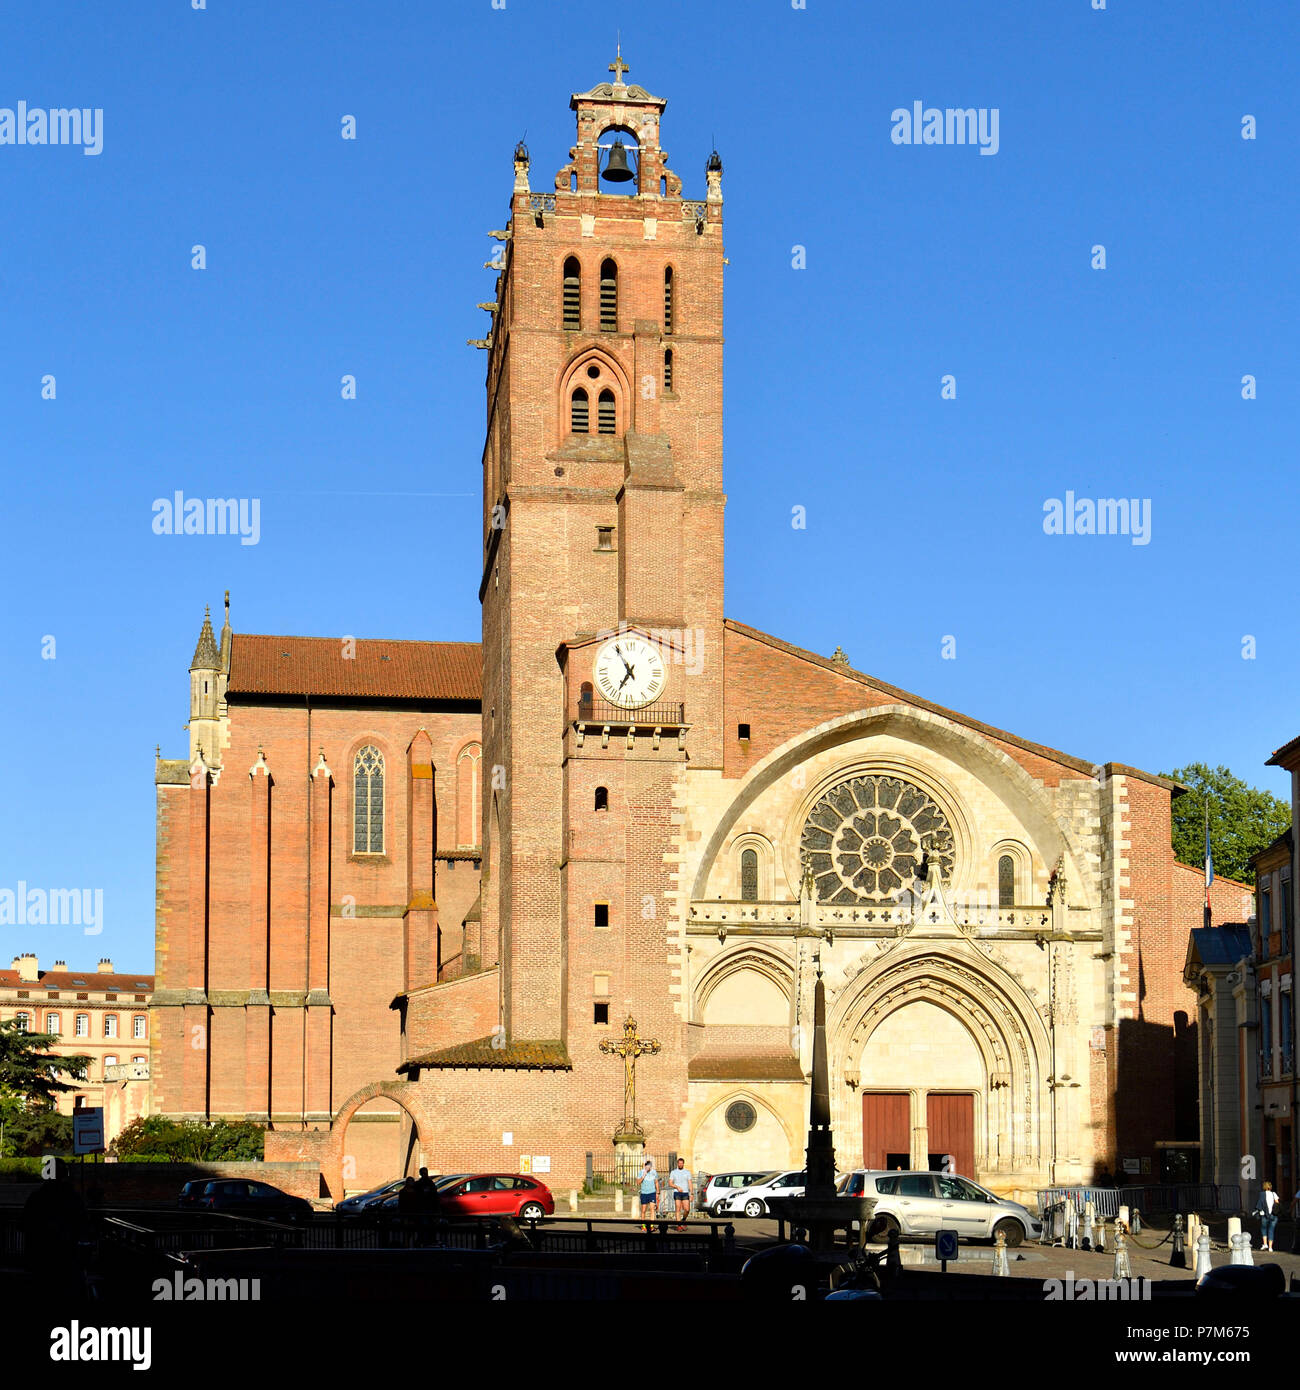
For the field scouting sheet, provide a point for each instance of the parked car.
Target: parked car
(752, 1200)
(350, 1206)
(388, 1202)
(236, 1197)
(720, 1186)
(920, 1203)
(192, 1193)
(497, 1194)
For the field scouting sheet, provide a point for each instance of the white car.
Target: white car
(919, 1204)
(752, 1200)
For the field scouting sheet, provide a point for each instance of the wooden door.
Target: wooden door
(951, 1121)
(886, 1130)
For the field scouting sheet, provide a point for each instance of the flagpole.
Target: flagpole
(1209, 860)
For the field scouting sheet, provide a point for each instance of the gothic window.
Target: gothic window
(580, 411)
(668, 369)
(608, 297)
(668, 300)
(467, 797)
(749, 876)
(1006, 881)
(606, 412)
(602, 799)
(368, 801)
(572, 293)
(867, 837)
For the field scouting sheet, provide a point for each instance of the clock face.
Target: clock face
(630, 672)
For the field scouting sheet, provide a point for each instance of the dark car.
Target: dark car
(497, 1194)
(388, 1202)
(238, 1197)
(350, 1206)
(192, 1194)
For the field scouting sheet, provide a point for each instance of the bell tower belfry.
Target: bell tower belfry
(602, 511)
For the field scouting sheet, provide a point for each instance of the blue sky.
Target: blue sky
(222, 127)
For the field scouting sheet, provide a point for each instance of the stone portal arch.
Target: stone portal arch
(404, 1094)
(1013, 1105)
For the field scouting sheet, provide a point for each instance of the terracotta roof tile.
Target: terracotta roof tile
(90, 980)
(434, 671)
(720, 1065)
(523, 1056)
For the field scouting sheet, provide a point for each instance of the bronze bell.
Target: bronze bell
(616, 167)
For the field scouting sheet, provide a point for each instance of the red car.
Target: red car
(497, 1194)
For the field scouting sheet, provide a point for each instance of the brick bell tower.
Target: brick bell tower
(602, 583)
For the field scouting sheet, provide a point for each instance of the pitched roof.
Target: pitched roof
(840, 668)
(377, 669)
(517, 1056)
(1218, 945)
(85, 980)
(749, 1065)
(1287, 756)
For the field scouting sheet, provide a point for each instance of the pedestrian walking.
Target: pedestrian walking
(1266, 1210)
(408, 1204)
(649, 1192)
(430, 1206)
(680, 1180)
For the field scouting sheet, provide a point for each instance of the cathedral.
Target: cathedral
(502, 906)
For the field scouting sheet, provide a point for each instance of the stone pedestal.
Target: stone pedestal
(629, 1155)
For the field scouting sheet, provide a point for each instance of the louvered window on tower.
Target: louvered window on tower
(608, 297)
(580, 412)
(572, 293)
(668, 300)
(606, 414)
(668, 369)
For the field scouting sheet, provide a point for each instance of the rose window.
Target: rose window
(867, 837)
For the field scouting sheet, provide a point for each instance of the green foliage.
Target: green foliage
(1243, 820)
(32, 1133)
(19, 1169)
(28, 1071)
(158, 1139)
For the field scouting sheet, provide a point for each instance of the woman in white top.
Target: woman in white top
(1266, 1210)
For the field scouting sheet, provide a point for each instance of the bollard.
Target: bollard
(1136, 1227)
(1193, 1233)
(1178, 1256)
(1121, 1218)
(573, 1199)
(1122, 1270)
(1234, 1247)
(1000, 1265)
(1203, 1264)
(1071, 1227)
(618, 1201)
(1234, 1228)
(1100, 1246)
(1244, 1244)
(1086, 1243)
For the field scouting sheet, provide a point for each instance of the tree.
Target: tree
(29, 1082)
(1243, 820)
(190, 1141)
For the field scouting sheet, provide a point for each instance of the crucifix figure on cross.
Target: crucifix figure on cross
(629, 1048)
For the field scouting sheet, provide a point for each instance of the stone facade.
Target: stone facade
(996, 922)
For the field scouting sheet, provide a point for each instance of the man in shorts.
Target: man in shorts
(680, 1180)
(649, 1192)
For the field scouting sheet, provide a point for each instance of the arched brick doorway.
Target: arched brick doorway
(403, 1094)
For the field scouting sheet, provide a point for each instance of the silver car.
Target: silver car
(921, 1203)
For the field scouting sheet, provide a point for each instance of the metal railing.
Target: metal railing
(601, 712)
(1151, 1199)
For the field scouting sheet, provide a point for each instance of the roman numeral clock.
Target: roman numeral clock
(629, 672)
